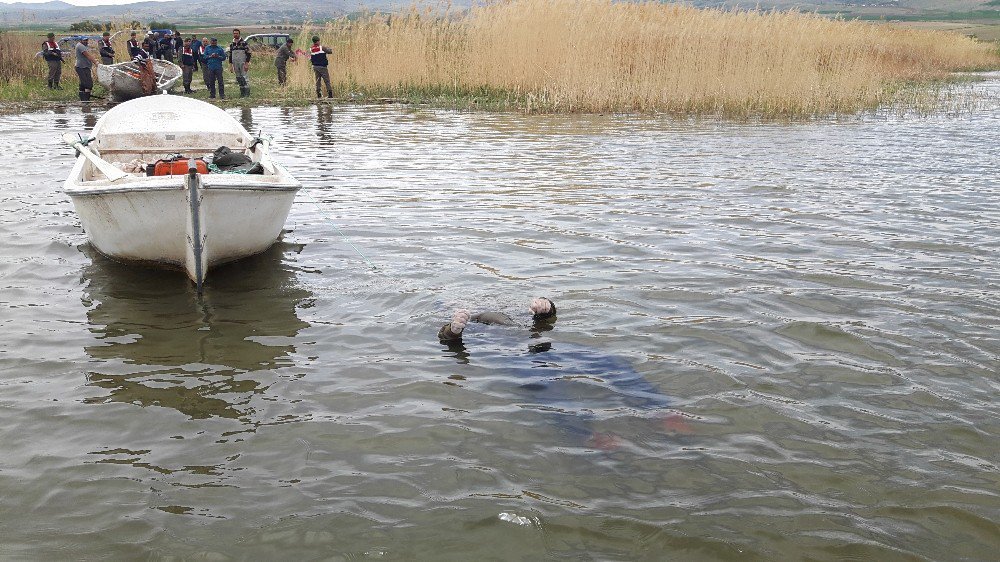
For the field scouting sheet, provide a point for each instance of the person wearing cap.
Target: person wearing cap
(214, 57)
(53, 55)
(133, 45)
(239, 60)
(85, 61)
(281, 60)
(187, 65)
(320, 64)
(106, 50)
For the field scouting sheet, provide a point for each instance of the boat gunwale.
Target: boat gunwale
(124, 189)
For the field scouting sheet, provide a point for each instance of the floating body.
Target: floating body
(190, 221)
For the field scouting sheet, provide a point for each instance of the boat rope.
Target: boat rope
(337, 228)
(216, 170)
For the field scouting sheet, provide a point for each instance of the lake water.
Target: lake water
(812, 309)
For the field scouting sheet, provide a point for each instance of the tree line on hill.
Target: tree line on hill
(88, 26)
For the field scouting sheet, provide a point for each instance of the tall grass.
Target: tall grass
(602, 55)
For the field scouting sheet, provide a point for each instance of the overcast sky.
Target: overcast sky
(79, 2)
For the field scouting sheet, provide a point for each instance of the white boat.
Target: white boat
(124, 82)
(191, 221)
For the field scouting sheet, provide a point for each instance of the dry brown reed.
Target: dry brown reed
(602, 55)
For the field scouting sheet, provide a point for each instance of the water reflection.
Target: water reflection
(163, 345)
(324, 123)
(246, 118)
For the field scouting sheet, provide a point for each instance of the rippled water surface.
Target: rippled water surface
(774, 341)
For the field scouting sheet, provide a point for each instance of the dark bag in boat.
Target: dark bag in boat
(234, 162)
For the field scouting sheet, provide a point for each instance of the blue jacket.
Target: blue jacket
(214, 56)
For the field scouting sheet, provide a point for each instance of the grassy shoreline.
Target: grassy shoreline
(567, 56)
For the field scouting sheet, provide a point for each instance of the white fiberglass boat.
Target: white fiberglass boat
(189, 220)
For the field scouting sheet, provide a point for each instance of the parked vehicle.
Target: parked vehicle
(261, 41)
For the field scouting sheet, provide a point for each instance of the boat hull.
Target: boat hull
(153, 226)
(124, 85)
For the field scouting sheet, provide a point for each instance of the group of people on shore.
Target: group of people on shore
(191, 53)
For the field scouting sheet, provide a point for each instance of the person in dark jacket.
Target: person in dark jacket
(53, 56)
(106, 50)
(214, 57)
(239, 60)
(166, 46)
(133, 46)
(178, 43)
(320, 64)
(149, 44)
(187, 65)
(196, 48)
(568, 383)
(281, 61)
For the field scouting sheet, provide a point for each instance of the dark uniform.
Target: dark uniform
(167, 48)
(317, 55)
(134, 48)
(53, 55)
(106, 50)
(149, 45)
(187, 66)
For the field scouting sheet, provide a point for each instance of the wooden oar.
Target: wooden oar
(112, 173)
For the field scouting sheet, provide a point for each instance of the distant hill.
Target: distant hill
(247, 12)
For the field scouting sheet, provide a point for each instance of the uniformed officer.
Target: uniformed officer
(133, 46)
(106, 50)
(317, 55)
(53, 55)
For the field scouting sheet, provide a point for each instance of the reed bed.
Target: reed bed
(606, 56)
(597, 56)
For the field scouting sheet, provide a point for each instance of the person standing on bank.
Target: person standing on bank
(187, 65)
(281, 61)
(85, 61)
(196, 49)
(107, 51)
(178, 43)
(320, 64)
(239, 59)
(167, 47)
(213, 58)
(201, 59)
(133, 46)
(149, 45)
(53, 55)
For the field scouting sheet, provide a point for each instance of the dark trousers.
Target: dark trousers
(323, 73)
(86, 82)
(55, 72)
(282, 74)
(188, 73)
(107, 60)
(215, 75)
